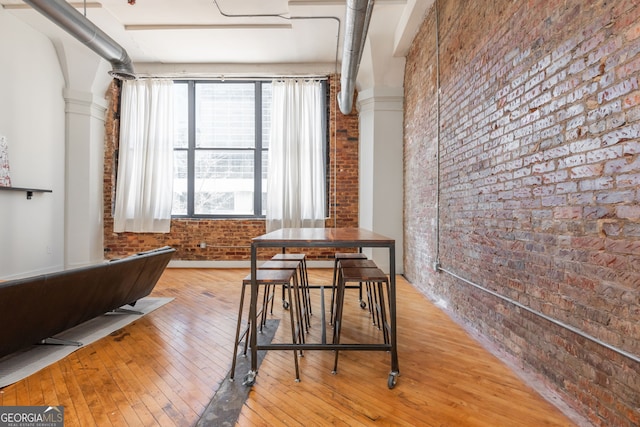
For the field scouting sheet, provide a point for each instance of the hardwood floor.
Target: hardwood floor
(164, 368)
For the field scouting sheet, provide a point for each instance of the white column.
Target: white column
(381, 168)
(86, 81)
(85, 120)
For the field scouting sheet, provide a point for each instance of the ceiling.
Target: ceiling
(293, 37)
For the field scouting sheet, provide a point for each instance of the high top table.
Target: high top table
(326, 238)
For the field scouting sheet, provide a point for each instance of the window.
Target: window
(220, 148)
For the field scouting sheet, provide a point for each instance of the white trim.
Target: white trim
(235, 264)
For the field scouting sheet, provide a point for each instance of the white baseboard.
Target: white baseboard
(234, 264)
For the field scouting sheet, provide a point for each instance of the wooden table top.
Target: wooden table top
(322, 236)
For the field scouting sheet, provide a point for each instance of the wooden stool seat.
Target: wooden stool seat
(357, 263)
(364, 274)
(350, 255)
(289, 257)
(273, 277)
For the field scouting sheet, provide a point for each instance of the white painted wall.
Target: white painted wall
(32, 118)
(52, 111)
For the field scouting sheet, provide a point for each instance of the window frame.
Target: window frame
(259, 151)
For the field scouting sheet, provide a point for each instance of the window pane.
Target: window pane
(225, 115)
(223, 183)
(266, 114)
(181, 111)
(180, 188)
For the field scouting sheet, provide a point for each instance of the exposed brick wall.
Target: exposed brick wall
(539, 186)
(230, 239)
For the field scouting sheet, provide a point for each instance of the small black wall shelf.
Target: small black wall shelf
(29, 191)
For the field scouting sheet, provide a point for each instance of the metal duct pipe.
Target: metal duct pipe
(357, 19)
(66, 17)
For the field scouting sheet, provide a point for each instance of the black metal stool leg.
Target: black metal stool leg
(293, 338)
(237, 339)
(337, 323)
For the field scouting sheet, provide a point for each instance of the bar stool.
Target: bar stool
(376, 278)
(350, 262)
(304, 275)
(266, 279)
(339, 256)
(299, 301)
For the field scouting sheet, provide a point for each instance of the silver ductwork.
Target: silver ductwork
(65, 16)
(357, 17)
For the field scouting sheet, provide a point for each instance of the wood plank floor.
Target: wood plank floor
(163, 369)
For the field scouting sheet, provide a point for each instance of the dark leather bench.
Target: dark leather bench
(35, 308)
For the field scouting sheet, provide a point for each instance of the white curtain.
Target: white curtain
(144, 188)
(296, 175)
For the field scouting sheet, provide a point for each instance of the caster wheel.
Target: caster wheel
(285, 305)
(249, 379)
(393, 380)
(363, 305)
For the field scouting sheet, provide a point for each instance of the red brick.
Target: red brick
(631, 212)
(567, 212)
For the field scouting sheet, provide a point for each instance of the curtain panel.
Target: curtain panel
(144, 187)
(296, 179)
